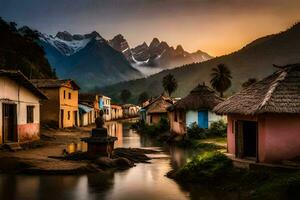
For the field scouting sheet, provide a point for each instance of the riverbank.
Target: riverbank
(213, 170)
(53, 154)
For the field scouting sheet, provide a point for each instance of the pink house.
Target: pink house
(264, 118)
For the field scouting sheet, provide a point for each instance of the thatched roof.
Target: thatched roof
(20, 78)
(159, 105)
(201, 97)
(54, 83)
(277, 93)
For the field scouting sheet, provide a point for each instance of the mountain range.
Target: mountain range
(88, 59)
(255, 60)
(94, 61)
(156, 56)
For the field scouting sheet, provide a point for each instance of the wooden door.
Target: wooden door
(9, 113)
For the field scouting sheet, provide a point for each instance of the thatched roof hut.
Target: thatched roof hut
(277, 93)
(201, 97)
(159, 105)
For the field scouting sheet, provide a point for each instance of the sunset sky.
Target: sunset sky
(215, 26)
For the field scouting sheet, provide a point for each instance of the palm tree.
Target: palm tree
(221, 78)
(169, 84)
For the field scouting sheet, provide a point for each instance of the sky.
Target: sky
(215, 26)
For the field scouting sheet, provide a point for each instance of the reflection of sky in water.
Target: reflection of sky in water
(145, 181)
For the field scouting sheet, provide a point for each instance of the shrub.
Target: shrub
(218, 128)
(206, 166)
(195, 132)
(163, 125)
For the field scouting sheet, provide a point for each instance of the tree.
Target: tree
(249, 82)
(143, 97)
(125, 95)
(169, 84)
(221, 78)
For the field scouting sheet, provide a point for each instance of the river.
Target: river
(144, 181)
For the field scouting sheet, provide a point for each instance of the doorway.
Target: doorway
(62, 118)
(9, 114)
(75, 118)
(246, 139)
(203, 119)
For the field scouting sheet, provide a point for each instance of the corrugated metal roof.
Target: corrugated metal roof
(84, 108)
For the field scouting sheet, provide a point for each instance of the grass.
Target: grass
(215, 169)
(207, 166)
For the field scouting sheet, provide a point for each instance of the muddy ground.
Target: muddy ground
(34, 158)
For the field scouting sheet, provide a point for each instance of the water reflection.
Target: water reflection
(145, 181)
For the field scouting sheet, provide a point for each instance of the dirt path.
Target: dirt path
(53, 143)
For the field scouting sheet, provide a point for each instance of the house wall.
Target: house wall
(50, 108)
(12, 92)
(116, 112)
(177, 127)
(213, 117)
(278, 136)
(105, 105)
(69, 105)
(155, 118)
(192, 116)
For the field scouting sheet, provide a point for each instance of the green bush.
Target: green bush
(195, 132)
(281, 187)
(163, 125)
(206, 166)
(143, 128)
(218, 128)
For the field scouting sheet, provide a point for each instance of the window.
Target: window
(30, 114)
(64, 94)
(69, 95)
(150, 119)
(69, 115)
(175, 116)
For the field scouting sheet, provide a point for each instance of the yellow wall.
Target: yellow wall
(49, 108)
(70, 107)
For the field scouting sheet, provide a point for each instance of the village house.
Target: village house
(116, 112)
(91, 100)
(264, 118)
(196, 108)
(61, 110)
(105, 105)
(20, 108)
(86, 114)
(130, 110)
(156, 110)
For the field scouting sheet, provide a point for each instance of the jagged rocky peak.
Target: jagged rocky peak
(155, 42)
(179, 49)
(119, 43)
(164, 44)
(65, 35)
(93, 34)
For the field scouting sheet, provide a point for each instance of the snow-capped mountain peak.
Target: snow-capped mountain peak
(68, 44)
